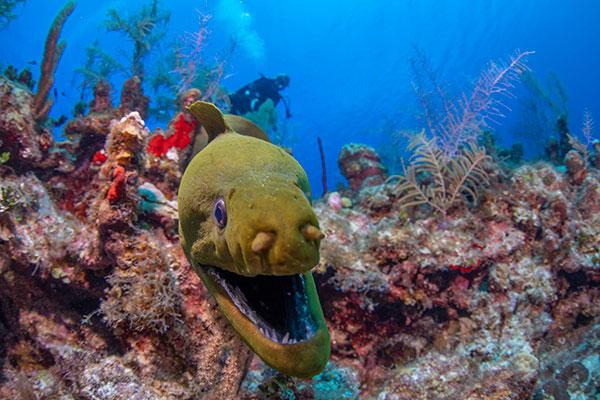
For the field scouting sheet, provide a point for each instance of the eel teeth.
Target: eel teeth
(239, 299)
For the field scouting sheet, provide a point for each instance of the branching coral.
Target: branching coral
(99, 67)
(541, 109)
(144, 29)
(191, 68)
(53, 51)
(6, 11)
(450, 159)
(450, 179)
(188, 58)
(588, 135)
(186, 66)
(463, 120)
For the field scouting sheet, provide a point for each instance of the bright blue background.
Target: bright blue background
(348, 60)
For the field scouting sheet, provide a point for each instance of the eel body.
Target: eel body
(249, 231)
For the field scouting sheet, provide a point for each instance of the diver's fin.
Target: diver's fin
(245, 127)
(210, 117)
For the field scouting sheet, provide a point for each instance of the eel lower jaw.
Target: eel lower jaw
(278, 306)
(279, 317)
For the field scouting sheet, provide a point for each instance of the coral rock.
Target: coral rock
(133, 99)
(361, 165)
(576, 166)
(18, 128)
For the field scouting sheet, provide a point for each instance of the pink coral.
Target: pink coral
(335, 201)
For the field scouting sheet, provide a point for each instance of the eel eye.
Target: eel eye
(220, 213)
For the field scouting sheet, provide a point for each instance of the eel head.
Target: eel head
(249, 231)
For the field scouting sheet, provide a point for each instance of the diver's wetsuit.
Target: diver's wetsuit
(250, 97)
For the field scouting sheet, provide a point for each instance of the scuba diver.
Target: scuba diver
(250, 97)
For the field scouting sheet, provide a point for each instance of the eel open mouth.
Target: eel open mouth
(278, 306)
(279, 317)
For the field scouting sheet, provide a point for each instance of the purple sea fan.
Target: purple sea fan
(588, 127)
(587, 131)
(188, 55)
(464, 121)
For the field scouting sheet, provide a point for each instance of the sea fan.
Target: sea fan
(441, 181)
(188, 56)
(588, 134)
(465, 119)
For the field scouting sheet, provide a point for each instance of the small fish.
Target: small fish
(32, 62)
(55, 94)
(61, 120)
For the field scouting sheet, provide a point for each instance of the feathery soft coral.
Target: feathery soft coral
(461, 121)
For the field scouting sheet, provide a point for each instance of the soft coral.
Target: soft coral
(117, 187)
(180, 139)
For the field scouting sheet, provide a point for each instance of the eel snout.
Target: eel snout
(311, 232)
(263, 241)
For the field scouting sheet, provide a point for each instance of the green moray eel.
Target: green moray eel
(249, 231)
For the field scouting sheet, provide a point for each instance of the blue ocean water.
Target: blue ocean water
(349, 61)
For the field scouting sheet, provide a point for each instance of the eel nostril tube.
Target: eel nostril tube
(311, 232)
(263, 241)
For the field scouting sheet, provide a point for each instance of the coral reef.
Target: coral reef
(477, 304)
(97, 299)
(18, 128)
(498, 300)
(333, 383)
(94, 126)
(556, 149)
(24, 113)
(132, 97)
(25, 77)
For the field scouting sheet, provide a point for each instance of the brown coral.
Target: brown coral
(53, 51)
